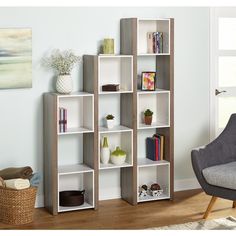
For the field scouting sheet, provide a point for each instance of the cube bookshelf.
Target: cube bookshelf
(134, 41)
(154, 173)
(117, 69)
(145, 26)
(72, 158)
(122, 139)
(78, 177)
(79, 112)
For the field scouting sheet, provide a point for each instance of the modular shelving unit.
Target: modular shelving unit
(72, 159)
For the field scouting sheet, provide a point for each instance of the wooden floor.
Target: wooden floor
(117, 214)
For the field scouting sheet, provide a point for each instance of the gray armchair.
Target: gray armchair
(215, 165)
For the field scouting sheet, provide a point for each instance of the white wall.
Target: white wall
(21, 123)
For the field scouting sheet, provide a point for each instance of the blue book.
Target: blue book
(151, 148)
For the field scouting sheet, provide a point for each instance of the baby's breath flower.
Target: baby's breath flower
(62, 62)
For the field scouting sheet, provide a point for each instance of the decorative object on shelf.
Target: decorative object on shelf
(155, 42)
(110, 87)
(148, 117)
(62, 120)
(143, 190)
(105, 151)
(148, 81)
(16, 58)
(155, 147)
(71, 198)
(108, 46)
(62, 62)
(155, 190)
(110, 121)
(118, 156)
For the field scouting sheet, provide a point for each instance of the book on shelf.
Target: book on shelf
(155, 147)
(155, 42)
(62, 120)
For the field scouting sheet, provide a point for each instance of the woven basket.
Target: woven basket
(17, 206)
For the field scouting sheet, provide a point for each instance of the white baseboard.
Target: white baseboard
(186, 184)
(39, 201)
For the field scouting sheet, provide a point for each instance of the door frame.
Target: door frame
(215, 13)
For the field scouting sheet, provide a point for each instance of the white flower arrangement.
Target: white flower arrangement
(62, 62)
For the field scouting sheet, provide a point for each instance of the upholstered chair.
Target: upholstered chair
(215, 165)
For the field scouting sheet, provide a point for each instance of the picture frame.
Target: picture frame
(148, 81)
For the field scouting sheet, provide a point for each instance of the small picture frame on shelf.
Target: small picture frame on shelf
(148, 81)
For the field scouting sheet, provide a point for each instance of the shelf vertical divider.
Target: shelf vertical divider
(50, 153)
(128, 30)
(90, 84)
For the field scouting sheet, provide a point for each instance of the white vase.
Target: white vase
(64, 84)
(110, 124)
(105, 155)
(105, 151)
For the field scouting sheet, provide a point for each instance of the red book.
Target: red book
(157, 149)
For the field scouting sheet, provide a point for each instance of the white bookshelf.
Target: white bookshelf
(159, 103)
(153, 25)
(124, 140)
(115, 129)
(80, 112)
(150, 174)
(77, 179)
(74, 169)
(116, 69)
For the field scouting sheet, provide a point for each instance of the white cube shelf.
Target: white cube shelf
(149, 175)
(70, 149)
(158, 102)
(77, 181)
(124, 140)
(153, 25)
(80, 108)
(116, 70)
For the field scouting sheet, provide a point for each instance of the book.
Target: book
(161, 145)
(149, 42)
(155, 42)
(62, 120)
(151, 148)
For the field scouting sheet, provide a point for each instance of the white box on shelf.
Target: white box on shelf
(146, 26)
(148, 175)
(159, 103)
(77, 181)
(117, 69)
(124, 140)
(80, 108)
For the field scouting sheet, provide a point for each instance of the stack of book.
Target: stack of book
(62, 120)
(155, 42)
(155, 147)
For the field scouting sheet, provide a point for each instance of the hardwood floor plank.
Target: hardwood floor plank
(118, 214)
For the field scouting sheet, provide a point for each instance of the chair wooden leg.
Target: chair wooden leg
(212, 202)
(234, 204)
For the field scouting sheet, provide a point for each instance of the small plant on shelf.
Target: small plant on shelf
(148, 117)
(110, 121)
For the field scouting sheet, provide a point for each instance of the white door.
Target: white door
(223, 67)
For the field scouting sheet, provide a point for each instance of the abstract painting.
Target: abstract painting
(148, 81)
(15, 58)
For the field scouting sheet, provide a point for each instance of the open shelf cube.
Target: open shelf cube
(78, 181)
(159, 103)
(116, 70)
(124, 140)
(80, 108)
(153, 25)
(149, 175)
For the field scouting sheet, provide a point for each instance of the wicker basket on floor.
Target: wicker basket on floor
(17, 206)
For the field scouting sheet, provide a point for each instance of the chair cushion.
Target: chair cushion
(221, 175)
